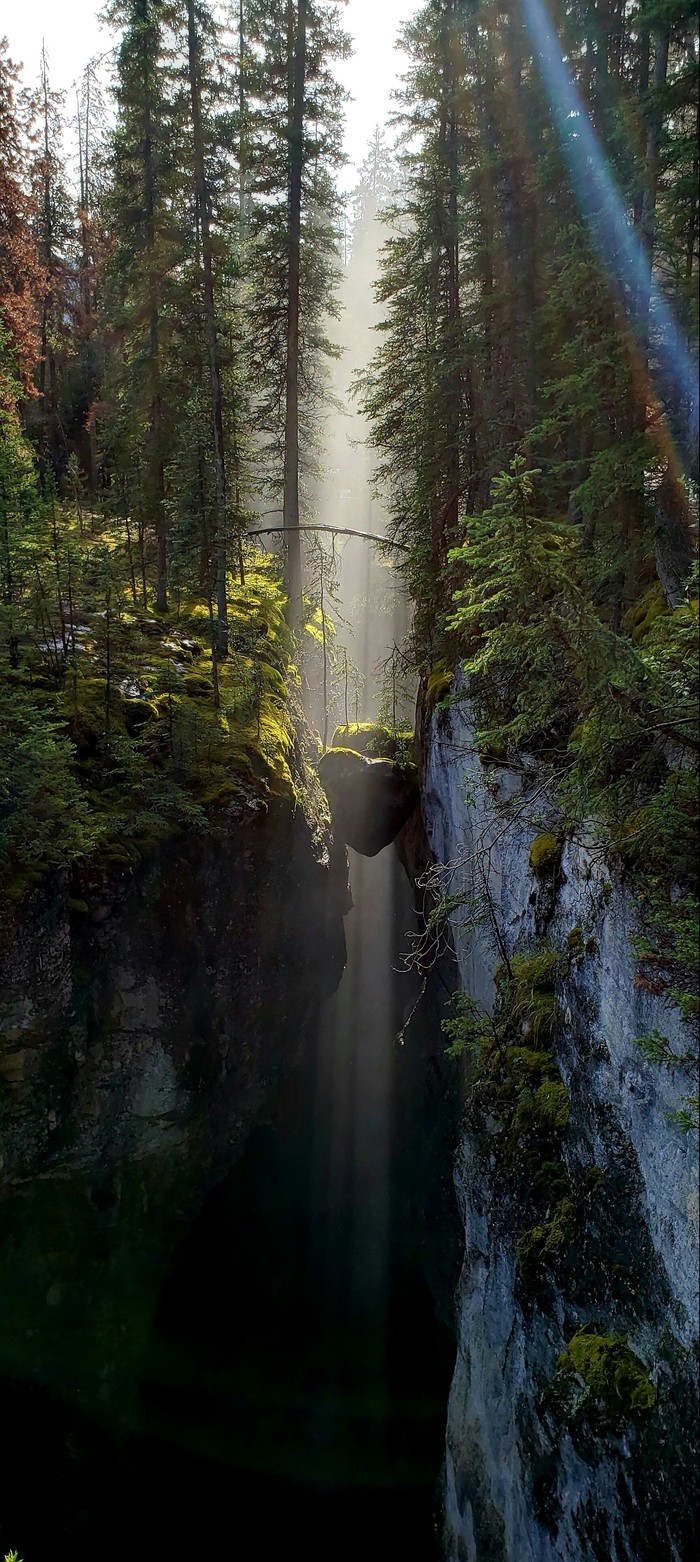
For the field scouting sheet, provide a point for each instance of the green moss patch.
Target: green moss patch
(545, 855)
(439, 682)
(544, 1243)
(640, 617)
(529, 994)
(609, 1372)
(197, 687)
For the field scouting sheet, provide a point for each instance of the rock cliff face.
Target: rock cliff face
(142, 1032)
(534, 1473)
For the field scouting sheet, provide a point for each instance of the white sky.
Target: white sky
(73, 34)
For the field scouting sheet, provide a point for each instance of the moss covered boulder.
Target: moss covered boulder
(370, 799)
(374, 739)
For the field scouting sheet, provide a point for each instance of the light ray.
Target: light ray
(603, 209)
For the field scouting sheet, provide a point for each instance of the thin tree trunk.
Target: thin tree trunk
(651, 181)
(142, 558)
(242, 150)
(86, 267)
(47, 356)
(297, 29)
(673, 530)
(8, 593)
(325, 657)
(203, 207)
(157, 469)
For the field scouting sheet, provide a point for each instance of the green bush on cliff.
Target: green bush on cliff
(511, 611)
(45, 818)
(613, 710)
(518, 1100)
(467, 1026)
(536, 970)
(528, 993)
(511, 1072)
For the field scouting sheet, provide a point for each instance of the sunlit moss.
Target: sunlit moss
(198, 687)
(159, 739)
(439, 682)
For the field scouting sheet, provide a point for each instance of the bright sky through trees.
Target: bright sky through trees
(73, 34)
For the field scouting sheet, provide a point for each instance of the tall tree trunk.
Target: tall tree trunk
(86, 286)
(217, 419)
(48, 361)
(156, 464)
(453, 300)
(651, 181)
(242, 147)
(296, 44)
(669, 504)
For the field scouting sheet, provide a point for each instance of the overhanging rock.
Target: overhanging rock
(370, 799)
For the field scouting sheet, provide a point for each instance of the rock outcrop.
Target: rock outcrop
(538, 1467)
(142, 1033)
(370, 799)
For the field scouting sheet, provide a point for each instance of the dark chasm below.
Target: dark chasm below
(293, 1397)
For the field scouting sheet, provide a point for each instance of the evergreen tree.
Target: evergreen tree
(295, 112)
(199, 25)
(54, 222)
(84, 376)
(22, 278)
(536, 332)
(142, 210)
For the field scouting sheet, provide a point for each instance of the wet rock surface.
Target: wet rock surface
(203, 1333)
(529, 1476)
(370, 799)
(142, 1033)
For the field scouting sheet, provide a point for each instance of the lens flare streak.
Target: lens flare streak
(603, 208)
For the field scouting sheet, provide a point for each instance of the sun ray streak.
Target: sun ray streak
(602, 206)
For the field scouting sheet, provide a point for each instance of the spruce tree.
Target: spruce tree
(141, 208)
(23, 281)
(295, 109)
(54, 228)
(199, 25)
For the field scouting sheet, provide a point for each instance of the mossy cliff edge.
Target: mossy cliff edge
(573, 1408)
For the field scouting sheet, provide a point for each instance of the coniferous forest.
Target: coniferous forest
(221, 373)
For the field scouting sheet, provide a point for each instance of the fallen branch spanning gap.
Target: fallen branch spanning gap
(337, 531)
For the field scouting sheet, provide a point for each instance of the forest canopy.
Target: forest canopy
(170, 258)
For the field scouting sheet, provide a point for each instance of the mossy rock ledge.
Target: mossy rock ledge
(374, 740)
(370, 799)
(545, 854)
